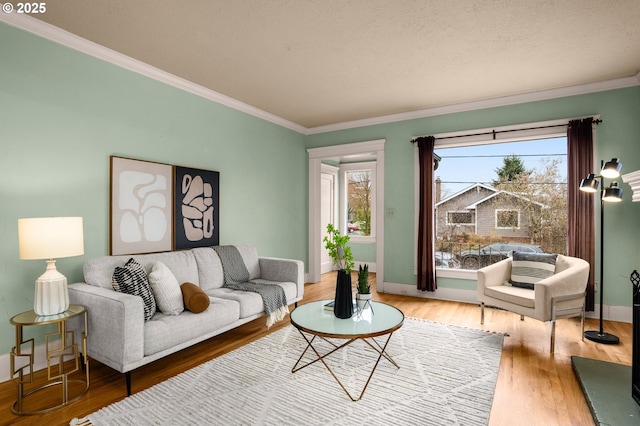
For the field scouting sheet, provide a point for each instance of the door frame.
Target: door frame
(316, 156)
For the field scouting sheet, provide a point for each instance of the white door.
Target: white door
(327, 215)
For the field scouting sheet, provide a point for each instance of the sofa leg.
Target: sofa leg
(521, 317)
(295, 304)
(128, 379)
(552, 344)
(481, 313)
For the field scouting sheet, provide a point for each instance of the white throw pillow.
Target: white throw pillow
(166, 289)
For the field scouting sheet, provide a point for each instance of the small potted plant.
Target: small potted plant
(364, 289)
(341, 256)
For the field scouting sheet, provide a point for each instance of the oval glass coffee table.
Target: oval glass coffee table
(313, 321)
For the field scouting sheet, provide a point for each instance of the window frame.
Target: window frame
(507, 210)
(485, 136)
(369, 166)
(447, 222)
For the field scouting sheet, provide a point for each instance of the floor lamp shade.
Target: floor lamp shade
(50, 238)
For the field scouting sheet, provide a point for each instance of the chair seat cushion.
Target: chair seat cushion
(516, 295)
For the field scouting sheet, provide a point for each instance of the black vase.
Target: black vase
(343, 303)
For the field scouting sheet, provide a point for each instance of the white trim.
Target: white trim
(67, 39)
(581, 89)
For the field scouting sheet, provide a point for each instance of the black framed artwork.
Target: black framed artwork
(196, 208)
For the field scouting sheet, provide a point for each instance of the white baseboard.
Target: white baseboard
(610, 313)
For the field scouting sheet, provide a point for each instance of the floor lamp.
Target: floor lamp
(611, 194)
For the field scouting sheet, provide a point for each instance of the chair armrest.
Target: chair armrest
(283, 270)
(571, 281)
(116, 324)
(495, 274)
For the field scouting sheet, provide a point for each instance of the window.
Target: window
(460, 218)
(506, 219)
(358, 180)
(499, 192)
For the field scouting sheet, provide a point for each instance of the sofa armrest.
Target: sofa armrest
(116, 324)
(495, 274)
(283, 270)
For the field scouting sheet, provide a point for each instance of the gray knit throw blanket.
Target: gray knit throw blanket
(236, 277)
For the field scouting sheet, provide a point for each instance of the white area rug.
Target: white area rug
(447, 376)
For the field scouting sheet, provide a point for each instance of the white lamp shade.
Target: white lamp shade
(50, 237)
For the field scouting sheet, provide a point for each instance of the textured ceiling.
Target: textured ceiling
(320, 62)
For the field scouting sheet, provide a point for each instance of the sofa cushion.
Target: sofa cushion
(516, 295)
(194, 298)
(182, 264)
(132, 279)
(251, 303)
(166, 289)
(209, 268)
(166, 332)
(529, 268)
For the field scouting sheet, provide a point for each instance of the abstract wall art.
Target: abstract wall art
(141, 206)
(196, 208)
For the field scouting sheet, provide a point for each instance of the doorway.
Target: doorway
(319, 214)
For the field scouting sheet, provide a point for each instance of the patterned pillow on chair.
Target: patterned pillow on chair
(529, 268)
(132, 279)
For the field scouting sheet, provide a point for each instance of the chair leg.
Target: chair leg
(521, 317)
(553, 336)
(582, 322)
(481, 313)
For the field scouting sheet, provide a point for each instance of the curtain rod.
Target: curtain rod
(495, 132)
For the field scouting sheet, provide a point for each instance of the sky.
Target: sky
(480, 162)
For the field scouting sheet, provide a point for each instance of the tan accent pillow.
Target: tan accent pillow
(194, 298)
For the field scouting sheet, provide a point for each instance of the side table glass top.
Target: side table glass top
(314, 318)
(31, 318)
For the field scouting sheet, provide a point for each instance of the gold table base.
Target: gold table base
(381, 349)
(58, 358)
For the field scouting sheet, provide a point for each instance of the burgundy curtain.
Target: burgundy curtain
(426, 222)
(581, 220)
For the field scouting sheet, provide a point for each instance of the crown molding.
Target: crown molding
(72, 41)
(618, 83)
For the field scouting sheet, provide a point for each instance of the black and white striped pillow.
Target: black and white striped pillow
(132, 279)
(529, 268)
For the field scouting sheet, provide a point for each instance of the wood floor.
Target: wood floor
(534, 387)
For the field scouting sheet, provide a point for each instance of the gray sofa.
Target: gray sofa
(119, 337)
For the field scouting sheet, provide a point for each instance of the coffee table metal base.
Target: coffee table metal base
(380, 349)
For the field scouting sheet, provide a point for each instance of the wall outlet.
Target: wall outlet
(391, 212)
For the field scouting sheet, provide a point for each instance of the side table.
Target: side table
(63, 358)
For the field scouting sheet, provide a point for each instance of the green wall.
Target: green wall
(63, 113)
(618, 136)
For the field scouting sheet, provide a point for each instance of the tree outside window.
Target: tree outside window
(359, 202)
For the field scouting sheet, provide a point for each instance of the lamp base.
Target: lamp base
(51, 295)
(604, 337)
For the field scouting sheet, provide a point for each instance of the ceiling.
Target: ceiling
(321, 62)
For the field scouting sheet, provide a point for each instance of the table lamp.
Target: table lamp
(50, 238)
